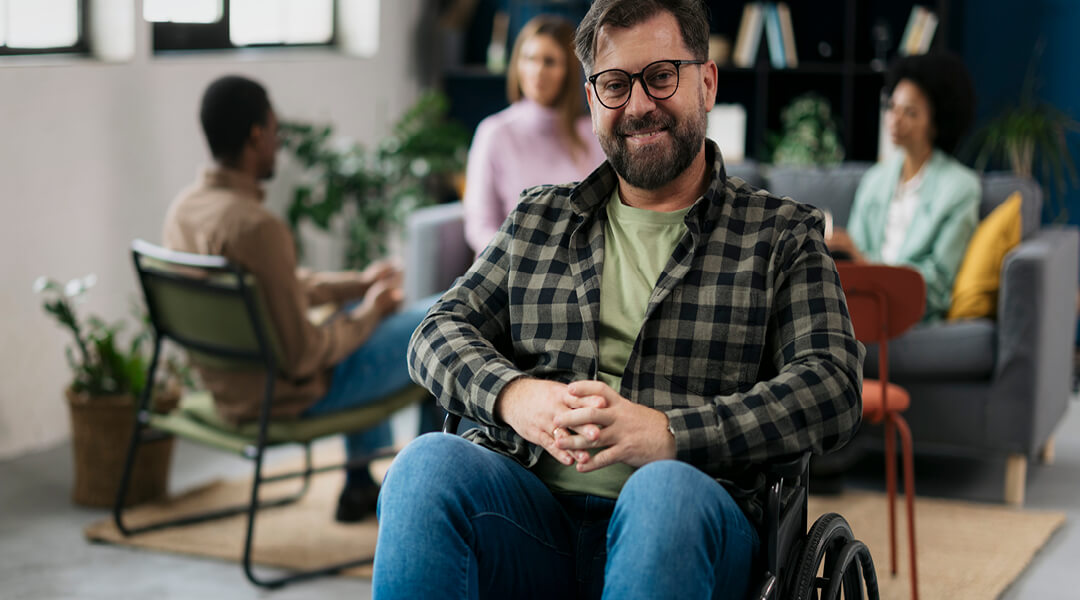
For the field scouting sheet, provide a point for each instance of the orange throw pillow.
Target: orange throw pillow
(975, 292)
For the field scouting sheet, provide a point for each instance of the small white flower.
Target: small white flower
(40, 284)
(73, 288)
(420, 167)
(89, 281)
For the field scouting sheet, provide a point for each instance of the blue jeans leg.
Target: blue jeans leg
(677, 533)
(460, 521)
(373, 371)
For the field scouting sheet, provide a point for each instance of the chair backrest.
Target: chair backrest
(883, 300)
(210, 307)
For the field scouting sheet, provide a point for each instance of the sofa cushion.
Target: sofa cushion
(748, 170)
(996, 189)
(951, 350)
(975, 292)
(828, 188)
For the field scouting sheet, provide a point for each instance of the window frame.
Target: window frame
(170, 38)
(80, 47)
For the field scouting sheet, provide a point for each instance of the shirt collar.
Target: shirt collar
(231, 179)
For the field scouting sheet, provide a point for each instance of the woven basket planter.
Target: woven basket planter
(100, 434)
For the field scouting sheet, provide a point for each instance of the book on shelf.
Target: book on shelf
(930, 23)
(905, 39)
(496, 50)
(788, 34)
(919, 32)
(774, 37)
(748, 38)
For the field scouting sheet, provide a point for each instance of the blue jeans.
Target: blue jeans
(373, 371)
(459, 521)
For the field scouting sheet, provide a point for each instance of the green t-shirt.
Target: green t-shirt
(637, 246)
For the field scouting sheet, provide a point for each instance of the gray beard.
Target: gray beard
(653, 167)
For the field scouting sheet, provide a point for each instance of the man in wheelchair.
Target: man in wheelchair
(624, 345)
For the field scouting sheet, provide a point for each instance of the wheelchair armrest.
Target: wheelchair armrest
(788, 469)
(450, 423)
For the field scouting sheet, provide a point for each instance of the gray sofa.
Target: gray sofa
(979, 387)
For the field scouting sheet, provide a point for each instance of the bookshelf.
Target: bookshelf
(834, 41)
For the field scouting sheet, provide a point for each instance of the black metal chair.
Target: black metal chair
(792, 555)
(213, 309)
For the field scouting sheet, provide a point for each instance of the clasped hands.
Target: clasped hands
(569, 420)
(383, 294)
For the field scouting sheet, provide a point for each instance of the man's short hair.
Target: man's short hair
(692, 16)
(231, 106)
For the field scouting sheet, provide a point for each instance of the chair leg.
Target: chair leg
(125, 477)
(201, 517)
(1046, 454)
(252, 510)
(890, 488)
(142, 420)
(909, 493)
(1015, 479)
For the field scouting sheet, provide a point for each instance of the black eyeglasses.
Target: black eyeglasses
(659, 79)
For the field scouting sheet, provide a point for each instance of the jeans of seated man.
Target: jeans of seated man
(459, 521)
(373, 371)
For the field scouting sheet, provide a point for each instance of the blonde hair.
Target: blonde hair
(570, 103)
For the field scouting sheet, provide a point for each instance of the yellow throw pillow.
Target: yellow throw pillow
(975, 292)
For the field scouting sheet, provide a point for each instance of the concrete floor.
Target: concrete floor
(43, 554)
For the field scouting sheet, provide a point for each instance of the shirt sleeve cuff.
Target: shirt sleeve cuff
(486, 386)
(695, 431)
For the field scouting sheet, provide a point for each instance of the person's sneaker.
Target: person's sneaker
(356, 503)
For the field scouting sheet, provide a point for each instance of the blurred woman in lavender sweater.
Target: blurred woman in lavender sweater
(544, 136)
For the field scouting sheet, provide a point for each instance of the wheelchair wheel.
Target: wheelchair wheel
(845, 563)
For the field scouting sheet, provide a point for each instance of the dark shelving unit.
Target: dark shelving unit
(836, 52)
(835, 46)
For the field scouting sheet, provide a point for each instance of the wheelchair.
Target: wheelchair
(792, 555)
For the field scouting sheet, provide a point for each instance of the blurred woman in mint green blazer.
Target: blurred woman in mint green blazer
(920, 207)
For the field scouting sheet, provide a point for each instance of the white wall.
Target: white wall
(92, 153)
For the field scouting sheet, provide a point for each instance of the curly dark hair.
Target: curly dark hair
(949, 89)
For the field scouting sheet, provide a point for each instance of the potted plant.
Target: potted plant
(107, 378)
(1030, 131)
(809, 135)
(374, 191)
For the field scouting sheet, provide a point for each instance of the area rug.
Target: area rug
(966, 550)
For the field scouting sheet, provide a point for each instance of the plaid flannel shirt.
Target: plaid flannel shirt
(746, 345)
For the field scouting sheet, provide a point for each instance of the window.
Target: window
(42, 26)
(220, 24)
(183, 11)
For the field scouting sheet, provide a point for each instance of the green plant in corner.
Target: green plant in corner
(809, 133)
(1030, 131)
(375, 190)
(100, 364)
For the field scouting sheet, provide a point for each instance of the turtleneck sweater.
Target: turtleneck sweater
(517, 148)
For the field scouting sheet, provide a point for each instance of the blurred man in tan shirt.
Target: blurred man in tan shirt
(346, 362)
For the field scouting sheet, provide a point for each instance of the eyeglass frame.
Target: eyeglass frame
(640, 76)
